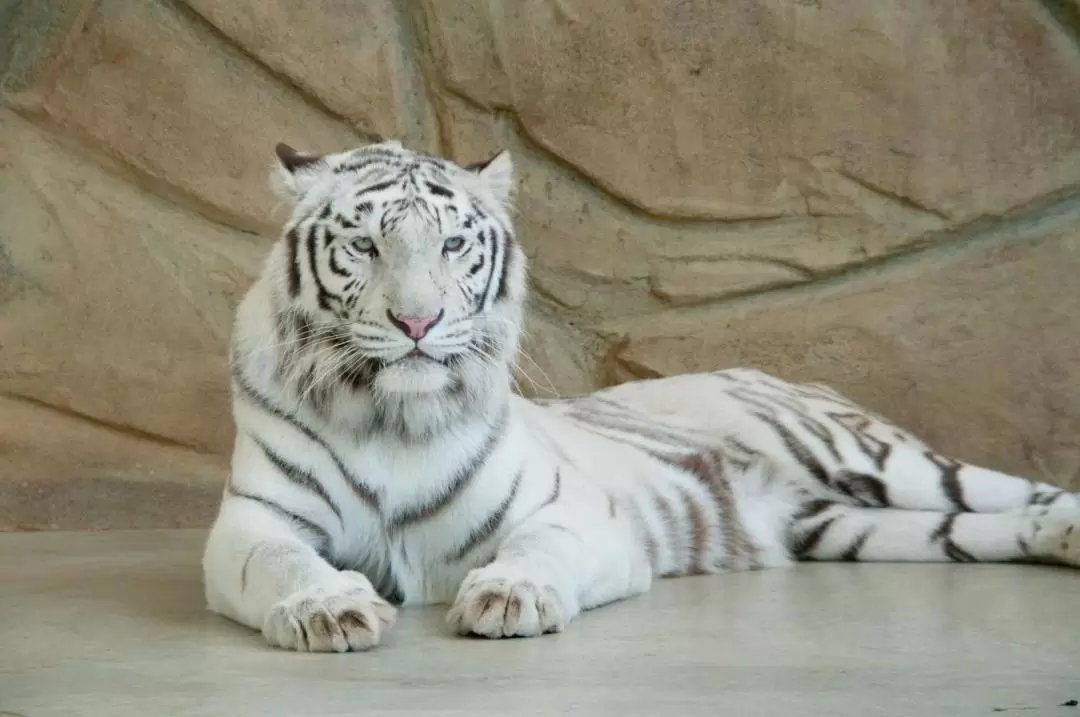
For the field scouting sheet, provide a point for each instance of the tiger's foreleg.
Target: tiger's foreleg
(265, 571)
(569, 556)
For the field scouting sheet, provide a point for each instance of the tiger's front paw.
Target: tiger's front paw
(338, 616)
(504, 601)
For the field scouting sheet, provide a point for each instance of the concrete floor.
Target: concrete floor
(113, 624)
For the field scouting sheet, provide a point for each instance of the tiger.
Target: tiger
(383, 459)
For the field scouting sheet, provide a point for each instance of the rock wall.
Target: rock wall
(882, 196)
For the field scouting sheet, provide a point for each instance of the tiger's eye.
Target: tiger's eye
(364, 245)
(454, 243)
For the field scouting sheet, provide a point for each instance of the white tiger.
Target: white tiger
(381, 457)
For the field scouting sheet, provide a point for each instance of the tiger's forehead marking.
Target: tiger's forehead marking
(408, 166)
(402, 192)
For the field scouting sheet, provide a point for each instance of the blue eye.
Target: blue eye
(454, 243)
(364, 245)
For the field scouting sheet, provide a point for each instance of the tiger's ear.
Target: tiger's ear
(297, 172)
(497, 174)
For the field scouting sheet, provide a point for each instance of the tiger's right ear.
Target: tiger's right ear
(297, 171)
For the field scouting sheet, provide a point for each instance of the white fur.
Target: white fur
(600, 497)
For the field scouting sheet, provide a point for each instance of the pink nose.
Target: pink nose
(415, 327)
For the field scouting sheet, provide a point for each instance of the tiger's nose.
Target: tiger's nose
(415, 327)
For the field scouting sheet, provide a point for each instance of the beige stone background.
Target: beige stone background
(884, 196)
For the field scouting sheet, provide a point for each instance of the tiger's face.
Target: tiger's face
(408, 261)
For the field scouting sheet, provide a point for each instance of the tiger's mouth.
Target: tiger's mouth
(420, 356)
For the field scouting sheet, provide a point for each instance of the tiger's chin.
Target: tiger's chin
(413, 374)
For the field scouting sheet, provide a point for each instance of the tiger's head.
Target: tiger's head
(401, 267)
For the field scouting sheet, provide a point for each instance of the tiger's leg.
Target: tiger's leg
(569, 556)
(916, 479)
(829, 531)
(836, 444)
(265, 571)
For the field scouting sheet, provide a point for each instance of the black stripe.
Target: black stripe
(244, 570)
(389, 221)
(752, 399)
(328, 236)
(812, 509)
(794, 406)
(950, 480)
(732, 442)
(423, 206)
(700, 530)
(595, 427)
(669, 525)
(823, 434)
(312, 249)
(297, 475)
(295, 333)
(555, 491)
(1043, 498)
(302, 325)
(790, 401)
(945, 529)
(305, 641)
(439, 191)
(797, 449)
(292, 243)
(958, 554)
(381, 575)
(944, 533)
(726, 375)
(374, 157)
(489, 526)
(365, 493)
(375, 188)
(508, 259)
(1023, 546)
(810, 540)
(392, 592)
(856, 424)
(631, 424)
(338, 268)
(496, 257)
(457, 483)
(866, 490)
(852, 553)
(305, 384)
(300, 521)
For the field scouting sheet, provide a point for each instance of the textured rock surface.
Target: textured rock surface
(884, 198)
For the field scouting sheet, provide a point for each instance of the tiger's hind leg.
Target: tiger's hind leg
(827, 531)
(852, 455)
(914, 477)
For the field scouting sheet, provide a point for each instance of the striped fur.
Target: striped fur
(372, 469)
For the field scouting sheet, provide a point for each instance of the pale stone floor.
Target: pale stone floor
(113, 624)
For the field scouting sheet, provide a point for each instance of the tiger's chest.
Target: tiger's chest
(406, 570)
(426, 527)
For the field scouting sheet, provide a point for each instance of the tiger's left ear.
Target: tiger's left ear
(297, 171)
(497, 174)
